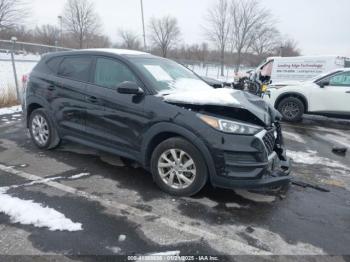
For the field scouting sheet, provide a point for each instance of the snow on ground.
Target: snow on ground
(213, 71)
(10, 110)
(23, 66)
(79, 176)
(27, 212)
(115, 250)
(293, 137)
(255, 196)
(311, 158)
(20, 57)
(166, 253)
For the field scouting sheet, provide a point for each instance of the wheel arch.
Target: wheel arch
(31, 107)
(163, 131)
(300, 96)
(32, 104)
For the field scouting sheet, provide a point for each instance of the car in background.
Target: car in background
(327, 94)
(160, 114)
(283, 71)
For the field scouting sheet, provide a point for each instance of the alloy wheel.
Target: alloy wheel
(290, 110)
(40, 130)
(177, 168)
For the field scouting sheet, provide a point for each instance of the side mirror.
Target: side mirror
(323, 84)
(130, 88)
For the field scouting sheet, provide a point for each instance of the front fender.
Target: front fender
(166, 127)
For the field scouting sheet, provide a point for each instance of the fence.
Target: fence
(16, 60)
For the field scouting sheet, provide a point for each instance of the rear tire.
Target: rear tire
(42, 130)
(292, 109)
(178, 167)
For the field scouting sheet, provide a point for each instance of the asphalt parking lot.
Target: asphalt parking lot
(121, 211)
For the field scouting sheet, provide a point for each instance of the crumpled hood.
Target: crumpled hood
(225, 97)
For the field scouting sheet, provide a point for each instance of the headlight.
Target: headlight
(228, 126)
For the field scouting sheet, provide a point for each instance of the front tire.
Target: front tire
(178, 167)
(42, 131)
(292, 109)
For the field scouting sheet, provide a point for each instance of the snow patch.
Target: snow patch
(122, 238)
(115, 250)
(294, 137)
(79, 176)
(205, 96)
(311, 158)
(166, 253)
(27, 212)
(235, 205)
(10, 110)
(255, 197)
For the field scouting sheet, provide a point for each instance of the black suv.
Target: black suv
(158, 113)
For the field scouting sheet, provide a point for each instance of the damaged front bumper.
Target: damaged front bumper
(261, 165)
(273, 174)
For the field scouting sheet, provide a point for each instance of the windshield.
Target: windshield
(168, 76)
(324, 75)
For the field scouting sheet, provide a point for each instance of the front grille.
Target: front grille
(270, 140)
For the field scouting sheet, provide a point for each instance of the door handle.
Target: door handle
(348, 92)
(91, 99)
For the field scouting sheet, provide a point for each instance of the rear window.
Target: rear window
(53, 64)
(75, 68)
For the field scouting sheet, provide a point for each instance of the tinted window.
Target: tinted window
(76, 68)
(53, 64)
(342, 79)
(110, 73)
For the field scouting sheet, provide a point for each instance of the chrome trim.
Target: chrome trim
(260, 136)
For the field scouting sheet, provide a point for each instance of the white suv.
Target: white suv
(328, 94)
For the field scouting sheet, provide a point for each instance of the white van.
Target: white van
(287, 70)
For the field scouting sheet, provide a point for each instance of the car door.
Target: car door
(114, 120)
(333, 94)
(70, 87)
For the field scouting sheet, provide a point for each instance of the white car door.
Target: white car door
(332, 95)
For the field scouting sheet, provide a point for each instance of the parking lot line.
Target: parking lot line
(240, 247)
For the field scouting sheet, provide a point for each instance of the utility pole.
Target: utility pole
(61, 35)
(14, 40)
(143, 27)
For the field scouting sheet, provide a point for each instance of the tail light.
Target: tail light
(25, 81)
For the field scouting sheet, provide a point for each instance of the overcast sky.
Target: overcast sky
(319, 26)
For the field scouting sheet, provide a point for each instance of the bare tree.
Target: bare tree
(199, 52)
(218, 28)
(164, 33)
(98, 41)
(246, 17)
(265, 40)
(12, 13)
(129, 40)
(47, 34)
(81, 20)
(289, 47)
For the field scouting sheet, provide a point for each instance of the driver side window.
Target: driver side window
(342, 79)
(110, 73)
